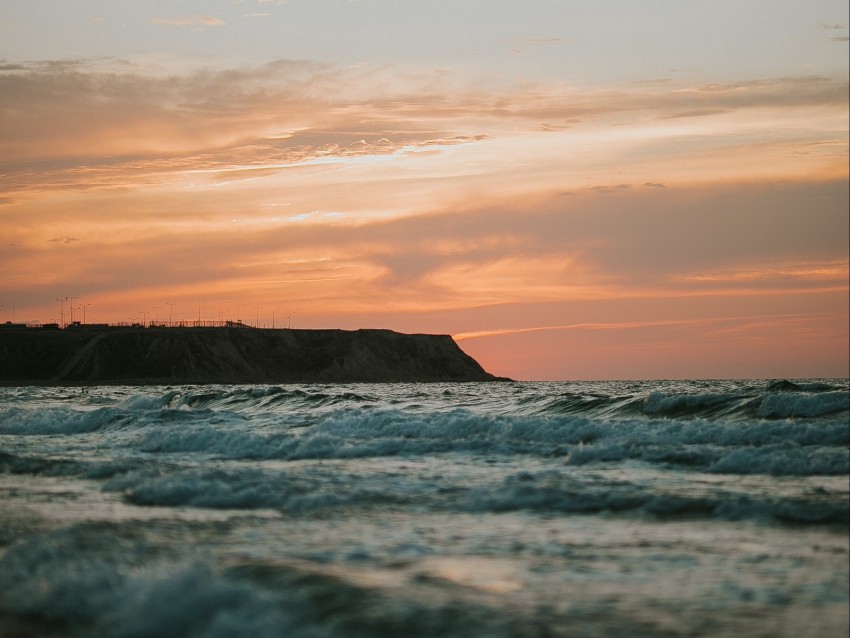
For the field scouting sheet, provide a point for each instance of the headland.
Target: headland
(157, 355)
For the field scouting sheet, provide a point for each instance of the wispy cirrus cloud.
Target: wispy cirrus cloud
(609, 325)
(836, 27)
(189, 21)
(88, 126)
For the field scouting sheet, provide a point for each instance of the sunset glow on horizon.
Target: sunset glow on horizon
(574, 190)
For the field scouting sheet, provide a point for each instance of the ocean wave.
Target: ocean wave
(96, 579)
(553, 491)
(244, 489)
(103, 580)
(17, 464)
(313, 489)
(771, 405)
(778, 447)
(782, 429)
(255, 398)
(740, 403)
(785, 405)
(64, 467)
(356, 434)
(25, 421)
(783, 460)
(775, 447)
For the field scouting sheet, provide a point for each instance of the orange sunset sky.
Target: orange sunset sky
(574, 189)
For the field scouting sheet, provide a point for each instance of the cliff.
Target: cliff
(114, 355)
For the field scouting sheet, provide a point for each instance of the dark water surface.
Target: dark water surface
(710, 508)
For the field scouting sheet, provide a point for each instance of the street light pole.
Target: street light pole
(84, 311)
(157, 312)
(170, 311)
(220, 315)
(257, 322)
(71, 299)
(199, 311)
(274, 311)
(61, 312)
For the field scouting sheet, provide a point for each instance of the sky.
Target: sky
(573, 189)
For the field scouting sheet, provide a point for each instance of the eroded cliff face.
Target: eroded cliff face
(229, 355)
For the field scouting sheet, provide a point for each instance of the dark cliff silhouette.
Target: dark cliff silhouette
(107, 355)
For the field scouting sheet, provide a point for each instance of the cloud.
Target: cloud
(104, 125)
(186, 21)
(725, 199)
(291, 92)
(542, 250)
(696, 113)
(628, 274)
(447, 190)
(617, 188)
(612, 325)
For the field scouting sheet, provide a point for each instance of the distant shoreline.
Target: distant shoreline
(98, 354)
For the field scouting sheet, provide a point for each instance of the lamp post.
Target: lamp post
(61, 312)
(71, 299)
(83, 306)
(157, 312)
(274, 311)
(239, 311)
(257, 321)
(144, 317)
(199, 311)
(170, 310)
(220, 315)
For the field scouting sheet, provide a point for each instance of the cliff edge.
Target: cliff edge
(156, 355)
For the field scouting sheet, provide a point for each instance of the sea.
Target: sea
(502, 509)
